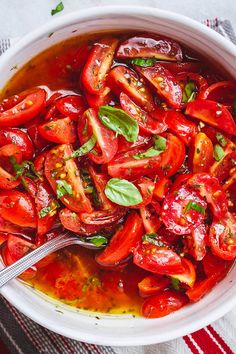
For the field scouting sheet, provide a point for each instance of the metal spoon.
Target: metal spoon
(39, 253)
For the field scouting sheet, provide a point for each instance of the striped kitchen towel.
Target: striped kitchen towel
(20, 335)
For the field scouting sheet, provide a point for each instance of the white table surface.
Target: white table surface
(18, 17)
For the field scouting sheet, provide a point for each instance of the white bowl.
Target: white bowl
(121, 330)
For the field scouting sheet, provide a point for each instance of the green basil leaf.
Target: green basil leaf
(57, 9)
(175, 283)
(143, 62)
(84, 149)
(63, 188)
(218, 153)
(194, 206)
(120, 122)
(152, 238)
(97, 240)
(159, 142)
(27, 168)
(122, 192)
(149, 153)
(221, 139)
(46, 210)
(189, 92)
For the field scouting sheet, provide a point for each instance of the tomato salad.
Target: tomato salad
(129, 142)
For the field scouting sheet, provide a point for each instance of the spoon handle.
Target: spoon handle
(35, 256)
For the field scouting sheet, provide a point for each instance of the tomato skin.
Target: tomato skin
(164, 83)
(223, 92)
(39, 162)
(152, 284)
(122, 79)
(221, 169)
(102, 217)
(213, 264)
(180, 180)
(157, 259)
(200, 156)
(20, 138)
(143, 141)
(55, 162)
(6, 178)
(189, 273)
(182, 127)
(161, 188)
(98, 65)
(25, 110)
(163, 304)
(103, 99)
(177, 68)
(146, 187)
(212, 113)
(210, 189)
(106, 144)
(146, 122)
(222, 237)
(33, 130)
(150, 46)
(72, 106)
(197, 242)
(173, 211)
(151, 217)
(122, 242)
(60, 131)
(17, 208)
(199, 81)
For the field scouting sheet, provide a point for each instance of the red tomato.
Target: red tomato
(157, 259)
(146, 122)
(151, 217)
(20, 138)
(122, 242)
(123, 79)
(163, 304)
(71, 221)
(167, 163)
(213, 264)
(222, 168)
(176, 68)
(182, 127)
(212, 113)
(200, 156)
(72, 106)
(59, 131)
(25, 110)
(187, 77)
(164, 83)
(180, 180)
(103, 99)
(211, 190)
(98, 65)
(222, 237)
(150, 46)
(161, 188)
(57, 169)
(223, 92)
(7, 178)
(102, 217)
(146, 187)
(189, 273)
(175, 213)
(230, 182)
(142, 141)
(152, 284)
(3, 238)
(197, 242)
(106, 144)
(33, 131)
(39, 162)
(17, 208)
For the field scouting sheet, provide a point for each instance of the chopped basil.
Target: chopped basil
(221, 139)
(159, 142)
(143, 62)
(218, 153)
(153, 238)
(63, 188)
(175, 283)
(97, 240)
(157, 149)
(27, 168)
(122, 192)
(194, 206)
(57, 9)
(120, 122)
(46, 210)
(189, 92)
(84, 149)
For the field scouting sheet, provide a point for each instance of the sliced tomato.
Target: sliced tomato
(3, 238)
(182, 127)
(106, 140)
(146, 187)
(199, 82)
(143, 141)
(164, 83)
(8, 227)
(222, 237)
(18, 208)
(163, 304)
(188, 66)
(25, 110)
(200, 156)
(102, 217)
(98, 65)
(189, 273)
(72, 106)
(167, 163)
(146, 122)
(39, 162)
(123, 241)
(33, 131)
(213, 264)
(212, 113)
(151, 217)
(230, 182)
(150, 46)
(19, 138)
(103, 99)
(58, 169)
(7, 178)
(180, 180)
(223, 92)
(221, 169)
(123, 79)
(161, 188)
(152, 284)
(197, 242)
(211, 190)
(176, 214)
(59, 131)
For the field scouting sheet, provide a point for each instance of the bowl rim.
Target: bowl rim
(73, 18)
